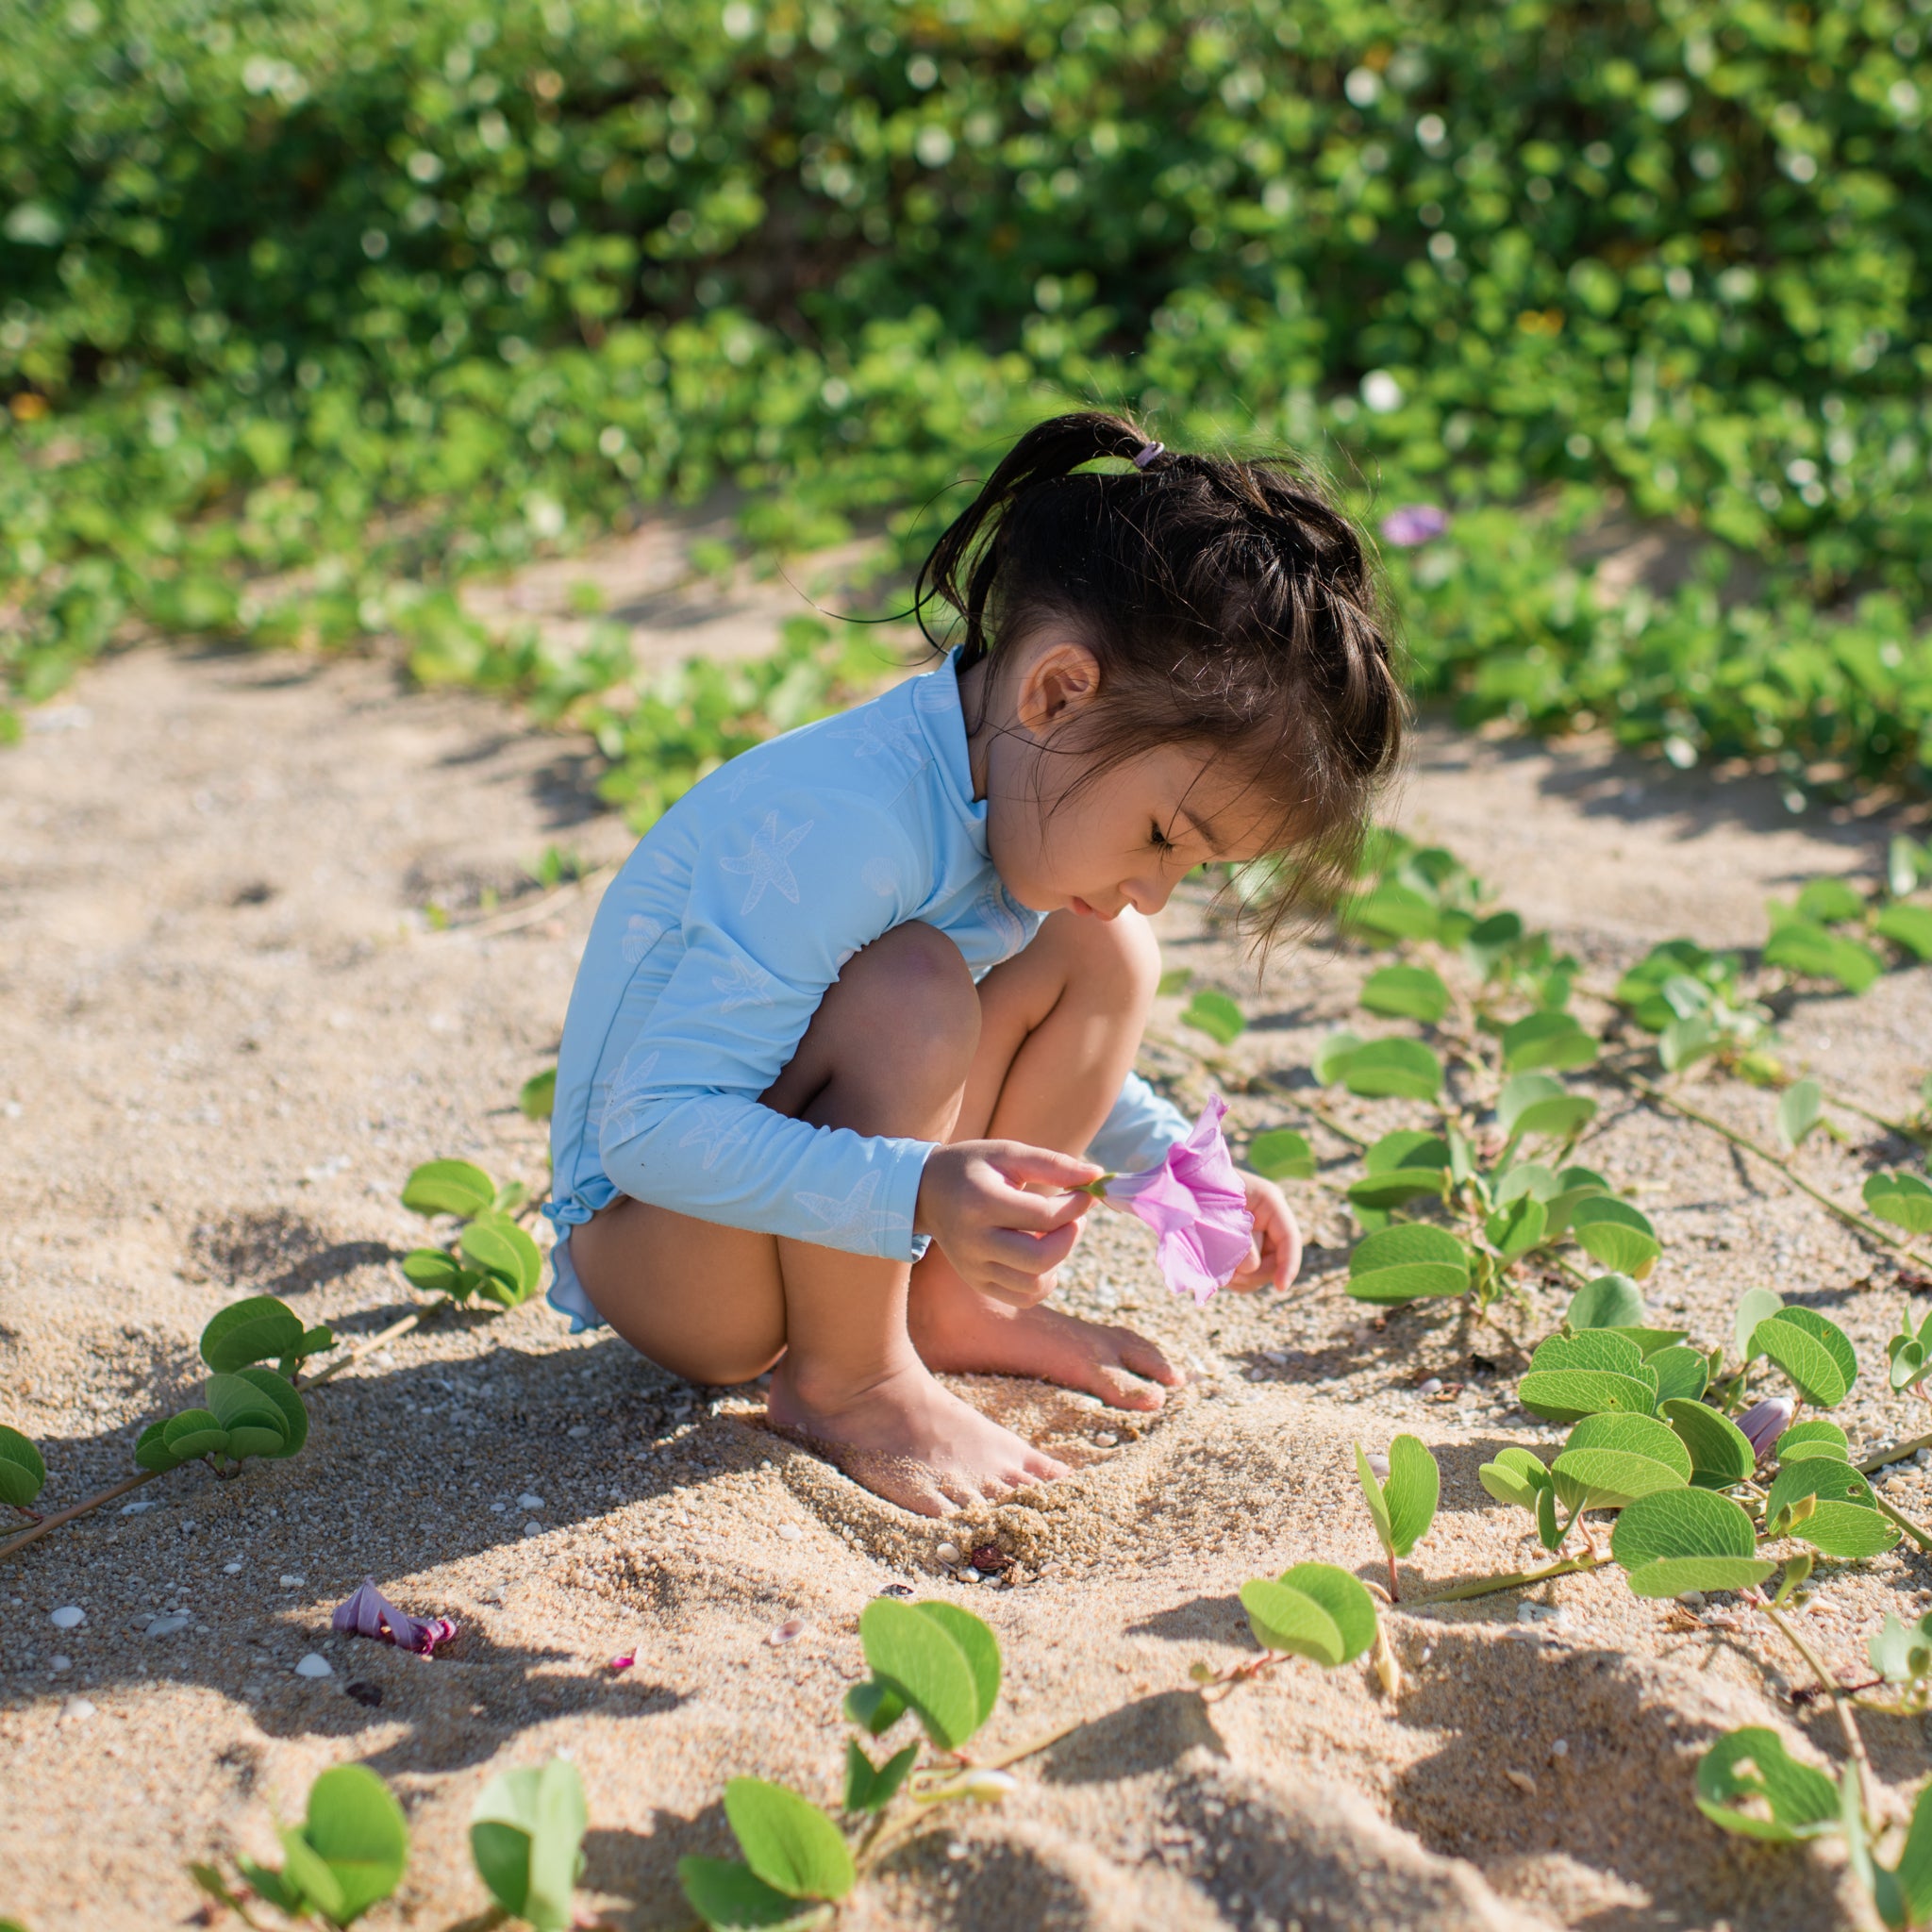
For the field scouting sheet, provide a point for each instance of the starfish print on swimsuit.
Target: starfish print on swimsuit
(718, 1126)
(871, 736)
(765, 862)
(621, 1116)
(745, 984)
(855, 1218)
(640, 935)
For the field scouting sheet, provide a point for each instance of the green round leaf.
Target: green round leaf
(1216, 1015)
(1397, 1067)
(433, 1269)
(789, 1843)
(918, 1657)
(1903, 1199)
(1808, 950)
(1798, 1109)
(288, 1405)
(1405, 1264)
(1408, 1165)
(356, 1829)
(1681, 1373)
(978, 1645)
(732, 1898)
(1590, 1348)
(1539, 1107)
(1546, 1040)
(506, 1254)
(1822, 1476)
(1678, 1539)
(1750, 1765)
(1610, 1301)
(1289, 1620)
(1910, 926)
(1332, 1054)
(1567, 1395)
(1721, 1452)
(1349, 1606)
(22, 1473)
(1813, 1351)
(1516, 1477)
(1616, 1234)
(1846, 1529)
(249, 1331)
(874, 1707)
(193, 1432)
(1412, 1491)
(1281, 1155)
(1816, 1436)
(538, 1095)
(152, 1451)
(1391, 911)
(1373, 1497)
(526, 1830)
(1673, 1575)
(448, 1187)
(1407, 993)
(1754, 1306)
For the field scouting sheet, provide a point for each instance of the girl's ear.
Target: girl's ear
(1061, 679)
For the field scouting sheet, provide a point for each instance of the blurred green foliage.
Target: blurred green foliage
(309, 308)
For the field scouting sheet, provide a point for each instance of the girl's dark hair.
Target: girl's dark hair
(1231, 606)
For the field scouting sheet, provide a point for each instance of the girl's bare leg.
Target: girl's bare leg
(1059, 1026)
(888, 1052)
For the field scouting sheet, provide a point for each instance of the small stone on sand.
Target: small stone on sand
(314, 1665)
(68, 1617)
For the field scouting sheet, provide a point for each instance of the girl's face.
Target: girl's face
(1127, 837)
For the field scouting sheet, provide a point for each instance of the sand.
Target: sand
(227, 1033)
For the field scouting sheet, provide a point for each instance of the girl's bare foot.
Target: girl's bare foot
(958, 1328)
(908, 1440)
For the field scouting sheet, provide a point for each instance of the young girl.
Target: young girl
(858, 1016)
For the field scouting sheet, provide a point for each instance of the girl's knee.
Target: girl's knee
(919, 994)
(1116, 962)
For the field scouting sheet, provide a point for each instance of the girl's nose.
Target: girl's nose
(1146, 897)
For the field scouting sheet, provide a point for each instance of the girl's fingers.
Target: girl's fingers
(1044, 1165)
(1027, 1253)
(1041, 1214)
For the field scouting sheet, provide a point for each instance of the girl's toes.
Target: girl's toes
(1119, 1390)
(1140, 1355)
(1040, 1468)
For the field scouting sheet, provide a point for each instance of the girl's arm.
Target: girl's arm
(784, 891)
(1138, 1130)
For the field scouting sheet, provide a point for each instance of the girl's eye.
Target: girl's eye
(1159, 839)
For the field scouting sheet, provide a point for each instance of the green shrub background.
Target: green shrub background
(307, 309)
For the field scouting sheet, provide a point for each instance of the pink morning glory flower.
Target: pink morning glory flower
(369, 1613)
(1194, 1202)
(1414, 523)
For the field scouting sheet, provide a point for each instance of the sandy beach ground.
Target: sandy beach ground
(226, 1035)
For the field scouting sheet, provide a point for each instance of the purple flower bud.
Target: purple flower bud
(1413, 523)
(369, 1613)
(1765, 1422)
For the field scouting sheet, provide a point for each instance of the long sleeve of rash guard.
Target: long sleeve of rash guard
(783, 890)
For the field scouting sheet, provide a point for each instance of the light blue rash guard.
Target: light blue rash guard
(712, 949)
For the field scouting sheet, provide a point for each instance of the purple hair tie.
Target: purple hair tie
(1146, 453)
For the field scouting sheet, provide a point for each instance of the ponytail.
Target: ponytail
(1230, 604)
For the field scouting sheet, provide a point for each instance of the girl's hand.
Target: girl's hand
(1003, 1240)
(1275, 1253)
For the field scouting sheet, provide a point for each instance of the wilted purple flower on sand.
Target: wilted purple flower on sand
(1194, 1202)
(1765, 1422)
(369, 1613)
(1413, 523)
